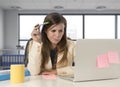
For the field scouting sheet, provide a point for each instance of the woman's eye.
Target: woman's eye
(61, 31)
(53, 30)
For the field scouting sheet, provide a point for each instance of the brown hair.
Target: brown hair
(53, 19)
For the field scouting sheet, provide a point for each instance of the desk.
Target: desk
(39, 81)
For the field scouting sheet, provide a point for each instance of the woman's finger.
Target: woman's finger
(37, 27)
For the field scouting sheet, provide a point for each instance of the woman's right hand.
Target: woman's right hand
(36, 36)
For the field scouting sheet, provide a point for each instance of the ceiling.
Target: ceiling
(60, 4)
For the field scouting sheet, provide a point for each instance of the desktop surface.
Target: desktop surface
(40, 81)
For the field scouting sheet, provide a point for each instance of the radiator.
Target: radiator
(8, 59)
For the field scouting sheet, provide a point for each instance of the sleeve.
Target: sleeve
(34, 60)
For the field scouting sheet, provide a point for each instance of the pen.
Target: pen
(38, 25)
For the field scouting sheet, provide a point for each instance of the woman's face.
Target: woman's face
(55, 33)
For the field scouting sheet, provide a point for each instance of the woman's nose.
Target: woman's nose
(57, 34)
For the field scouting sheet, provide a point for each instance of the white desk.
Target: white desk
(39, 81)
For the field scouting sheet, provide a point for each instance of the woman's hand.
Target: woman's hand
(36, 33)
(53, 71)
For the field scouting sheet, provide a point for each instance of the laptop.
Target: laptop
(96, 59)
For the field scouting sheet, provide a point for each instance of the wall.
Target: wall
(1, 28)
(11, 30)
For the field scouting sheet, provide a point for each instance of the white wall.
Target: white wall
(11, 30)
(1, 28)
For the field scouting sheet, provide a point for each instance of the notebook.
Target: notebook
(96, 59)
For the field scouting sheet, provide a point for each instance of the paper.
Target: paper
(113, 57)
(102, 61)
(49, 76)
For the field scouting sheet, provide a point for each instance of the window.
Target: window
(27, 23)
(92, 26)
(99, 26)
(74, 26)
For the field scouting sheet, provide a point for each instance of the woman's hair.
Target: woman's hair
(53, 19)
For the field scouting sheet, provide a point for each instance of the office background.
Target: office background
(9, 20)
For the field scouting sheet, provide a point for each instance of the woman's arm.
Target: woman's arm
(34, 52)
(34, 60)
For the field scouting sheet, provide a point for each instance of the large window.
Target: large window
(78, 26)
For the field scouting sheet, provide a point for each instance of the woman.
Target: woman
(50, 51)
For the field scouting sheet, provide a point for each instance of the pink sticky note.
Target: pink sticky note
(102, 61)
(113, 57)
(49, 76)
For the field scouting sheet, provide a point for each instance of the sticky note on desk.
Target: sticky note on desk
(113, 57)
(102, 61)
(49, 76)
